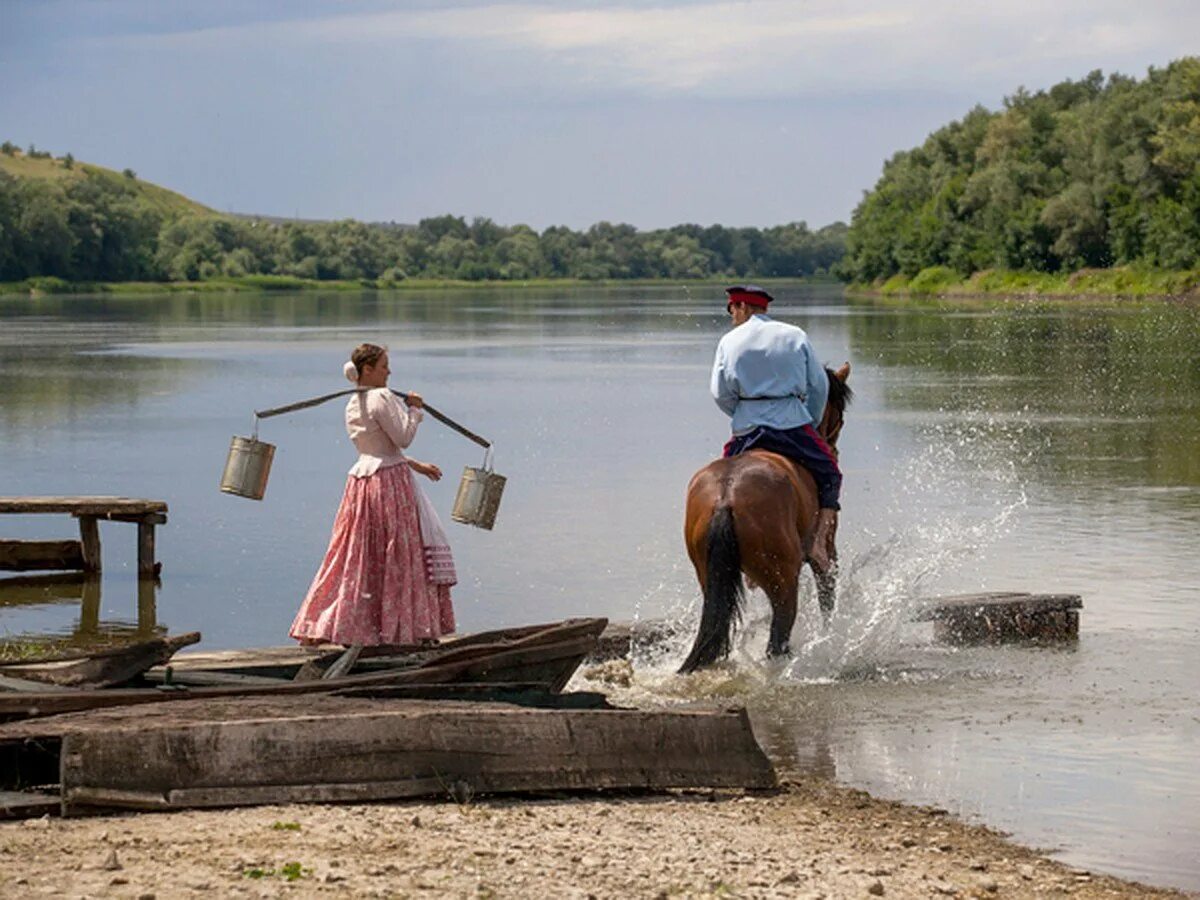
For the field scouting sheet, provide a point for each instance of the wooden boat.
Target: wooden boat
(93, 669)
(534, 657)
(321, 748)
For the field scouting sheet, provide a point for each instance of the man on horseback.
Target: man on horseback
(766, 377)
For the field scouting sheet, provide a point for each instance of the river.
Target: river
(991, 446)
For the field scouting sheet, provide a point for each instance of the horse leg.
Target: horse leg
(827, 586)
(827, 578)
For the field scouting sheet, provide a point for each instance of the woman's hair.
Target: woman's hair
(366, 355)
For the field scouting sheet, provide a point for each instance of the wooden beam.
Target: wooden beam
(145, 552)
(405, 749)
(81, 506)
(151, 518)
(32, 556)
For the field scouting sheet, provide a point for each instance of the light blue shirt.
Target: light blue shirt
(767, 373)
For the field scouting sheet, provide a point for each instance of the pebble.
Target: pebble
(876, 888)
(111, 863)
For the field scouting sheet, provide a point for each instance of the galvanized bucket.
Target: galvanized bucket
(247, 467)
(478, 498)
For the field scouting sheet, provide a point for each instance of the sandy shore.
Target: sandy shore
(810, 839)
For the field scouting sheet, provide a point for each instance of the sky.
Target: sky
(742, 112)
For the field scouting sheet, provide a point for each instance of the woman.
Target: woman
(387, 574)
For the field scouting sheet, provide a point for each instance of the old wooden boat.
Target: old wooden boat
(278, 749)
(92, 669)
(536, 657)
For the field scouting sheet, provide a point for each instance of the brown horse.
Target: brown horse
(755, 513)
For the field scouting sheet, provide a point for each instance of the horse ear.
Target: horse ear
(844, 372)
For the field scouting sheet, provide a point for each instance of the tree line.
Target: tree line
(1087, 174)
(102, 227)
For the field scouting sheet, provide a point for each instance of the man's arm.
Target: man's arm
(722, 386)
(818, 384)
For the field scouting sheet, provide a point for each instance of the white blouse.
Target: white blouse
(381, 426)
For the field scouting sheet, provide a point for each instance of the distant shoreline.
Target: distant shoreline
(1116, 284)
(40, 287)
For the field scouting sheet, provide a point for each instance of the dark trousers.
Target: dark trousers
(805, 448)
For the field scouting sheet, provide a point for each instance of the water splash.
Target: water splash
(960, 493)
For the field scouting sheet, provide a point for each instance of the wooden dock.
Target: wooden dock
(83, 554)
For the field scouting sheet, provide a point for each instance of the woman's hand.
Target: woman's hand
(413, 399)
(429, 470)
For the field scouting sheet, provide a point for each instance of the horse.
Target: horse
(755, 513)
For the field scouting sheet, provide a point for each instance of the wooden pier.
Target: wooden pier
(83, 554)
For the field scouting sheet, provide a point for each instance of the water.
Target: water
(1015, 447)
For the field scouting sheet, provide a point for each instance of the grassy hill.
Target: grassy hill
(45, 168)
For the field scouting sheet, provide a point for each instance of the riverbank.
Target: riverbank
(1090, 284)
(37, 287)
(812, 838)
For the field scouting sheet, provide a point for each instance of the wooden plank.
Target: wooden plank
(27, 805)
(80, 506)
(201, 678)
(104, 668)
(407, 749)
(344, 663)
(148, 518)
(89, 537)
(32, 556)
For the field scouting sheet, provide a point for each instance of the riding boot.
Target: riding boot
(821, 554)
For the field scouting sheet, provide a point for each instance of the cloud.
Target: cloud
(763, 48)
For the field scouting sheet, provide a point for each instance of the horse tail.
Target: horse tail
(723, 592)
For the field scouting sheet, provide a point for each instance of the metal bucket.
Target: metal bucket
(478, 498)
(247, 467)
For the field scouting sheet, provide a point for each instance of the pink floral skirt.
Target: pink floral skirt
(373, 586)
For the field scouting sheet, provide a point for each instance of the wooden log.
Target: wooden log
(32, 556)
(406, 749)
(89, 534)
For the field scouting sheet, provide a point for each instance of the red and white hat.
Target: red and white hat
(750, 294)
